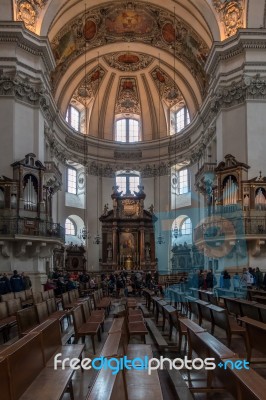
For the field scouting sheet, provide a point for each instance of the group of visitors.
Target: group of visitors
(202, 279)
(16, 283)
(126, 284)
(250, 277)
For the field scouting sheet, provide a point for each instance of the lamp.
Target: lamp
(97, 238)
(84, 233)
(175, 230)
(160, 239)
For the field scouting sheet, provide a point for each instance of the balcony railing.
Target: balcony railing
(230, 227)
(33, 227)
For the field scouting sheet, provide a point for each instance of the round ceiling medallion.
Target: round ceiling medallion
(128, 61)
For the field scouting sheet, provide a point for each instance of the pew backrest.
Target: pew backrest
(14, 306)
(42, 311)
(27, 319)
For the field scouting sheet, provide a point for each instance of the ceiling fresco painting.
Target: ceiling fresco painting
(130, 22)
(90, 86)
(127, 99)
(169, 91)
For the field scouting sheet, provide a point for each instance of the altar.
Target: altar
(128, 233)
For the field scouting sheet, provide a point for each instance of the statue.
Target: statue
(109, 252)
(105, 209)
(147, 251)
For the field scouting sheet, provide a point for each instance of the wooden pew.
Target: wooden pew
(107, 385)
(160, 341)
(4, 379)
(243, 384)
(6, 321)
(228, 324)
(159, 304)
(7, 296)
(51, 340)
(256, 332)
(184, 325)
(88, 329)
(29, 379)
(27, 319)
(139, 384)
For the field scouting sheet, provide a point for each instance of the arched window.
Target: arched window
(128, 182)
(72, 180)
(182, 230)
(127, 130)
(73, 117)
(186, 227)
(70, 227)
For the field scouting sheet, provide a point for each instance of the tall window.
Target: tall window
(70, 227)
(180, 181)
(127, 130)
(186, 227)
(73, 117)
(181, 119)
(127, 182)
(72, 180)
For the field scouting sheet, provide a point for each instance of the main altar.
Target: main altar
(128, 233)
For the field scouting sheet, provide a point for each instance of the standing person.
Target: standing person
(16, 282)
(236, 281)
(210, 280)
(227, 278)
(258, 278)
(4, 284)
(26, 281)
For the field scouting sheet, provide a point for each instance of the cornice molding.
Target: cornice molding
(14, 32)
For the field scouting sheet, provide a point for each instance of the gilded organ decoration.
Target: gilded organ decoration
(138, 22)
(231, 14)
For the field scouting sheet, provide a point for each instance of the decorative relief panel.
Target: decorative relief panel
(129, 21)
(28, 10)
(128, 61)
(127, 100)
(167, 88)
(230, 13)
(128, 155)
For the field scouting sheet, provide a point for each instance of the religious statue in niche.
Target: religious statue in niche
(109, 252)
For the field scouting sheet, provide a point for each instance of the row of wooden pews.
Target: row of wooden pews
(27, 367)
(130, 384)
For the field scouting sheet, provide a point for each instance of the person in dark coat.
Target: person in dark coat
(4, 284)
(16, 282)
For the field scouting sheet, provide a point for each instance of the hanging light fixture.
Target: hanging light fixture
(160, 239)
(97, 238)
(84, 233)
(175, 230)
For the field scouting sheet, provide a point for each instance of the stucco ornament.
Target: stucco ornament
(28, 10)
(231, 15)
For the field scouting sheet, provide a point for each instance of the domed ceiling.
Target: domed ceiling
(125, 58)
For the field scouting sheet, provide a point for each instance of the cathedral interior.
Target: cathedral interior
(133, 135)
